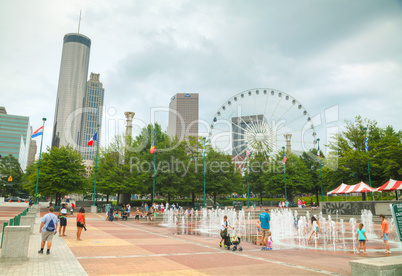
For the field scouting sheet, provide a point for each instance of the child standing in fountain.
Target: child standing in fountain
(270, 241)
(315, 228)
(361, 236)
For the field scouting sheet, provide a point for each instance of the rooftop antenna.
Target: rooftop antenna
(79, 22)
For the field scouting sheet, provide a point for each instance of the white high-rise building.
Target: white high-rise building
(92, 115)
(71, 90)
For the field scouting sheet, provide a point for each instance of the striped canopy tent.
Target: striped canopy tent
(391, 185)
(340, 190)
(360, 188)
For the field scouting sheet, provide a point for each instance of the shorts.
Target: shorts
(47, 236)
(385, 236)
(224, 233)
(265, 232)
(63, 221)
(80, 224)
(137, 217)
(362, 240)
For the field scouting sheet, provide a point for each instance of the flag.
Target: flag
(366, 142)
(94, 138)
(38, 132)
(318, 152)
(152, 149)
(248, 152)
(284, 158)
(203, 151)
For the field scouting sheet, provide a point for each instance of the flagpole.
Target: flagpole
(322, 191)
(368, 163)
(96, 164)
(154, 176)
(203, 153)
(40, 153)
(284, 173)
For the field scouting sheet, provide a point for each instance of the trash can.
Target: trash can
(71, 212)
(99, 209)
(107, 207)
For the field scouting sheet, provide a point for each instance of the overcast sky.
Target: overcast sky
(346, 54)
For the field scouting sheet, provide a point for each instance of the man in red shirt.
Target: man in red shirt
(385, 233)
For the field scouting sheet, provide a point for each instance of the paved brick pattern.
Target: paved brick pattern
(132, 248)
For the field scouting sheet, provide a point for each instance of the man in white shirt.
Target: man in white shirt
(225, 224)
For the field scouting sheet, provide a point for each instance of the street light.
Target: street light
(368, 163)
(203, 153)
(248, 190)
(40, 153)
(284, 171)
(319, 156)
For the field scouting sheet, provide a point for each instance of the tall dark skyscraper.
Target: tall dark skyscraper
(92, 115)
(71, 90)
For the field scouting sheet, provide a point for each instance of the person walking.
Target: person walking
(80, 223)
(48, 228)
(385, 233)
(225, 224)
(265, 219)
(362, 238)
(63, 220)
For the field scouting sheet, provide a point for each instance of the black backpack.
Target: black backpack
(50, 227)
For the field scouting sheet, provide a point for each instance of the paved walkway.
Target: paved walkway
(132, 248)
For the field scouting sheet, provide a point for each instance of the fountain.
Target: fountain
(288, 228)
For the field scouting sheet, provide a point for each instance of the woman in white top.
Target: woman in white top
(315, 228)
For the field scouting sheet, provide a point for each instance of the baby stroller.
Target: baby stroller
(233, 239)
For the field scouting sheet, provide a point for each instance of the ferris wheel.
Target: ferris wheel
(261, 121)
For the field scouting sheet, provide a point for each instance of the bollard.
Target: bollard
(16, 242)
(11, 222)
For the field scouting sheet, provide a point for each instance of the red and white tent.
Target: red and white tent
(360, 188)
(340, 190)
(391, 185)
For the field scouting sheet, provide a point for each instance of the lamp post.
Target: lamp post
(203, 153)
(284, 171)
(248, 188)
(368, 163)
(40, 153)
(319, 157)
(154, 176)
(96, 166)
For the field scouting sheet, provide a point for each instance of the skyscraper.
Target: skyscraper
(15, 136)
(183, 115)
(92, 115)
(71, 90)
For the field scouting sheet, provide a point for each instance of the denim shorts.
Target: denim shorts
(385, 236)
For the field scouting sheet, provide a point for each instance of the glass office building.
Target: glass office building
(71, 90)
(92, 115)
(15, 137)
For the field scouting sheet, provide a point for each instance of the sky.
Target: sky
(338, 58)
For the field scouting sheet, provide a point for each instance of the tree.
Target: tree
(61, 172)
(259, 166)
(9, 166)
(298, 178)
(222, 177)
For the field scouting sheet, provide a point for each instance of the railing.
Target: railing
(13, 222)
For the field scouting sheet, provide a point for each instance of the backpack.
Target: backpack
(50, 227)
